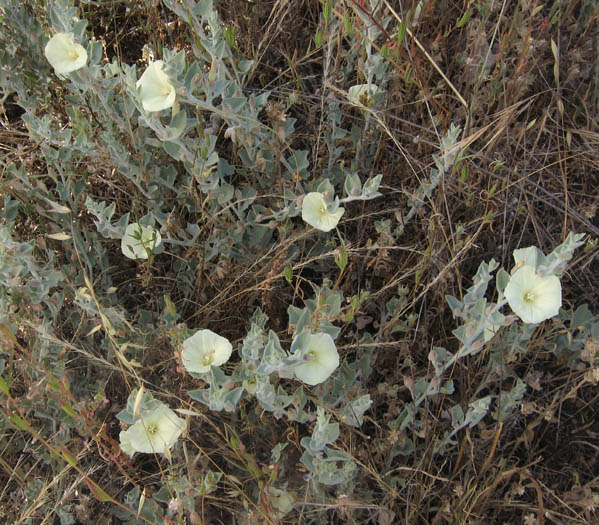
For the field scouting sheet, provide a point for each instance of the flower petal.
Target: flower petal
(203, 350)
(533, 297)
(316, 214)
(153, 433)
(324, 358)
(155, 90)
(138, 239)
(64, 54)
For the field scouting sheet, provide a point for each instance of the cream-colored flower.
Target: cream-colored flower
(363, 93)
(153, 433)
(155, 90)
(533, 297)
(138, 240)
(64, 54)
(203, 350)
(321, 355)
(315, 212)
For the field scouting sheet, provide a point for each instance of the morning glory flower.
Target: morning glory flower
(203, 350)
(155, 432)
(315, 212)
(64, 54)
(155, 90)
(363, 93)
(138, 240)
(533, 297)
(321, 357)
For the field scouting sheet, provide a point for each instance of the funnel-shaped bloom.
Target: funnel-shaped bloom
(315, 212)
(204, 349)
(155, 432)
(155, 90)
(138, 240)
(321, 357)
(64, 54)
(533, 297)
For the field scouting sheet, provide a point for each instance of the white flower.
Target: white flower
(138, 239)
(155, 432)
(363, 93)
(204, 349)
(316, 213)
(533, 297)
(155, 90)
(322, 358)
(64, 54)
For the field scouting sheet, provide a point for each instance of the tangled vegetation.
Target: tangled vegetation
(313, 261)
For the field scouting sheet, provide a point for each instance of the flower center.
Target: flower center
(208, 357)
(152, 428)
(73, 55)
(529, 297)
(323, 209)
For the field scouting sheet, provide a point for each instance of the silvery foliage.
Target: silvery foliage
(329, 466)
(211, 97)
(184, 490)
(239, 211)
(265, 361)
(24, 283)
(111, 135)
(20, 56)
(443, 163)
(478, 316)
(28, 298)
